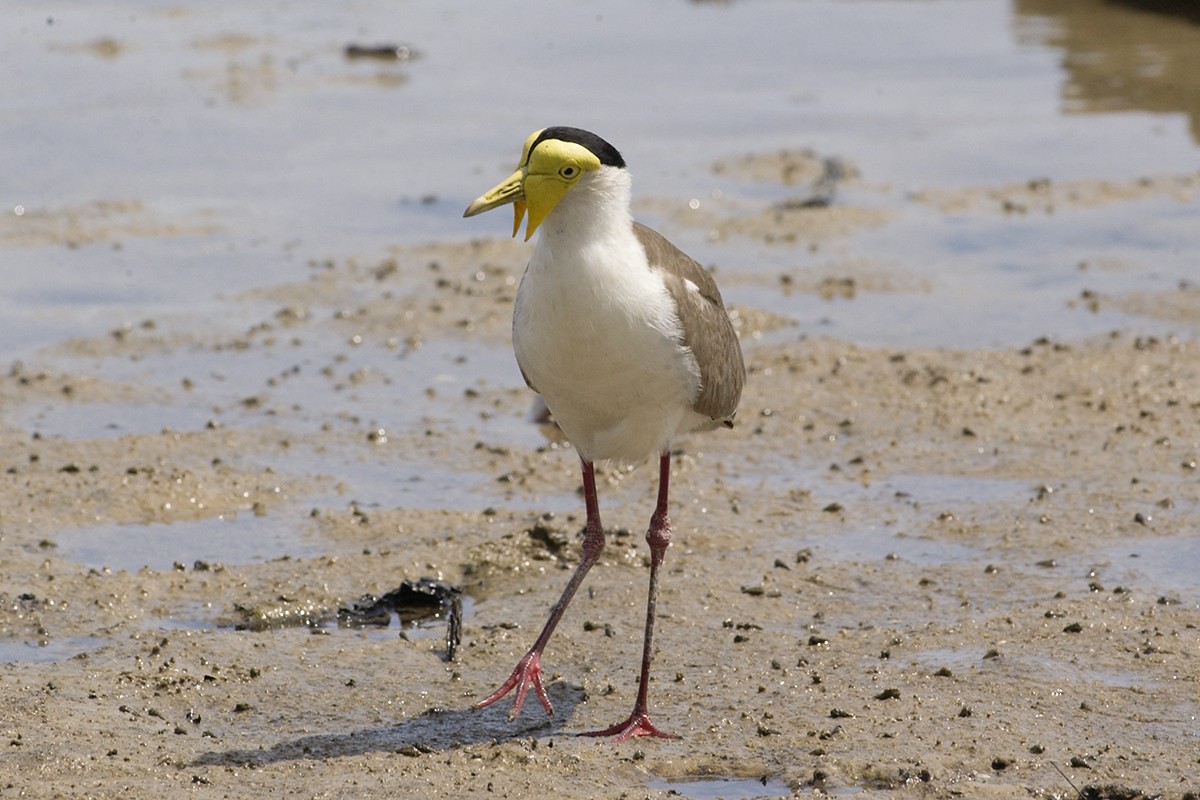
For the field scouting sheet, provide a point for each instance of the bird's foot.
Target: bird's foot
(528, 671)
(638, 724)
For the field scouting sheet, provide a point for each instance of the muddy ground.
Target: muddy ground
(926, 572)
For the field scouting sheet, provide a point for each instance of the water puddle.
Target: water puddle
(939, 490)
(979, 281)
(777, 472)
(876, 543)
(40, 652)
(964, 659)
(1163, 565)
(388, 478)
(918, 497)
(238, 539)
(107, 420)
(724, 788)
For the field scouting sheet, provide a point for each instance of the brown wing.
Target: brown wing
(707, 329)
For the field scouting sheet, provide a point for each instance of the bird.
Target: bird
(628, 342)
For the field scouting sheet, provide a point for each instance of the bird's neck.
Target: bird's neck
(595, 208)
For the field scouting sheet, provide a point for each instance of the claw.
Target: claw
(638, 724)
(528, 671)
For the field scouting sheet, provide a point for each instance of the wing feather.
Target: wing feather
(707, 330)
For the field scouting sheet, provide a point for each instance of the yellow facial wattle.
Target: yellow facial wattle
(545, 175)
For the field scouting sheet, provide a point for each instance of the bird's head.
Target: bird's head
(552, 162)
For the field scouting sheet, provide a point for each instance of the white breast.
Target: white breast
(596, 333)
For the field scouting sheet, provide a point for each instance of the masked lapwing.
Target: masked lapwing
(626, 339)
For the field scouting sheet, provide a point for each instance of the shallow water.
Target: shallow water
(160, 160)
(1001, 280)
(54, 649)
(1062, 671)
(242, 539)
(1162, 565)
(722, 788)
(877, 543)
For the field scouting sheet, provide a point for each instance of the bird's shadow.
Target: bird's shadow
(432, 731)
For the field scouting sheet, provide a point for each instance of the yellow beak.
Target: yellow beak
(510, 190)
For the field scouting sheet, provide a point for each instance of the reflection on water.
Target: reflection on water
(1121, 54)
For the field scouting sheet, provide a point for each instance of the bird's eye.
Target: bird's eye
(569, 171)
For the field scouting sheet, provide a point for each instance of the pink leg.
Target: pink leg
(529, 670)
(659, 538)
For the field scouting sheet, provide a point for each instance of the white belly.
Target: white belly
(601, 345)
